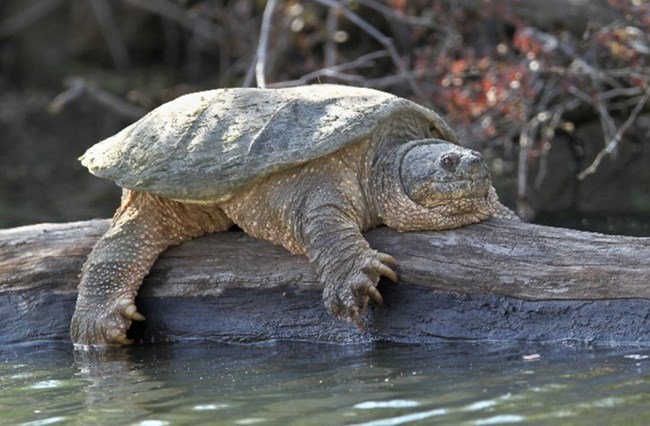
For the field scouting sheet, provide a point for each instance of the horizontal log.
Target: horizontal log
(496, 280)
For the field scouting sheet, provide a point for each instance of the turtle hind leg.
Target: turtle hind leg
(142, 228)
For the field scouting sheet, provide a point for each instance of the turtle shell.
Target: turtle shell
(205, 146)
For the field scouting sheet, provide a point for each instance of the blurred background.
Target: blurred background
(555, 94)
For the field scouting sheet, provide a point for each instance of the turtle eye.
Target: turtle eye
(450, 161)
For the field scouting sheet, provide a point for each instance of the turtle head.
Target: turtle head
(432, 184)
(435, 173)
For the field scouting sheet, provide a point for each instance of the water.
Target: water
(294, 383)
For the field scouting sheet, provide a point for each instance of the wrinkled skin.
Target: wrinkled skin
(318, 209)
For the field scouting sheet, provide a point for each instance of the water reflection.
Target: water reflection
(315, 384)
(119, 387)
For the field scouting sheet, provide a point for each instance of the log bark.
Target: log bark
(497, 280)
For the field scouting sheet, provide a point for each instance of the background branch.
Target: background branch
(263, 44)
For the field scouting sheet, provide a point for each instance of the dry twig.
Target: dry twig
(263, 44)
(382, 39)
(27, 17)
(79, 86)
(112, 36)
(389, 13)
(612, 144)
(606, 121)
(176, 13)
(337, 71)
(331, 25)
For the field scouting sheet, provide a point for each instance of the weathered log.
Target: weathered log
(494, 280)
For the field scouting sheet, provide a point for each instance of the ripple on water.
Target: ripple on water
(501, 419)
(47, 384)
(406, 418)
(310, 385)
(151, 422)
(43, 422)
(395, 403)
(204, 407)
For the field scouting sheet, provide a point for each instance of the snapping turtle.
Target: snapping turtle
(308, 168)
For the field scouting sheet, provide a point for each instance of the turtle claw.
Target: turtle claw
(375, 295)
(119, 337)
(129, 310)
(348, 296)
(380, 268)
(106, 327)
(355, 316)
(386, 258)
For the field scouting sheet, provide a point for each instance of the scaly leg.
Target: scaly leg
(346, 264)
(143, 227)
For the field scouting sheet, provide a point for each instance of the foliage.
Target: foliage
(501, 79)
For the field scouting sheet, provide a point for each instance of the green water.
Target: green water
(289, 383)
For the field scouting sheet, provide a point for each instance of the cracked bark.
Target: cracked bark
(496, 280)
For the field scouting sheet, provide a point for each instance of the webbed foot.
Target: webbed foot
(103, 324)
(347, 298)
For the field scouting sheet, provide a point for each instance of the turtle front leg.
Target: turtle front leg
(143, 227)
(346, 265)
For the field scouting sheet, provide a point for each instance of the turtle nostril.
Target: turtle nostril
(450, 161)
(475, 163)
